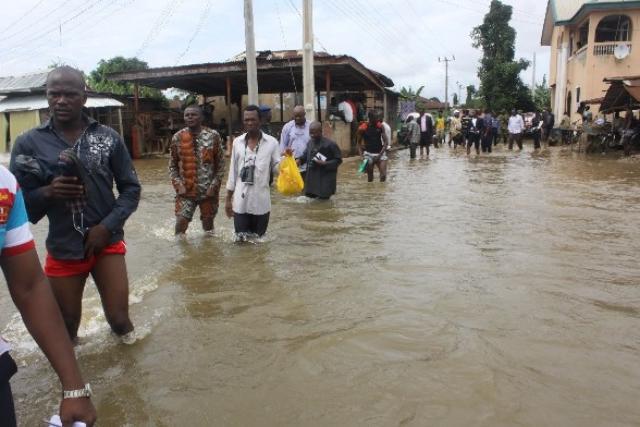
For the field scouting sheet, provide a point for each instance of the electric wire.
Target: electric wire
(161, 22)
(284, 41)
(21, 18)
(50, 14)
(201, 22)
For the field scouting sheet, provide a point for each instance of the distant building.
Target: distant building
(24, 106)
(590, 40)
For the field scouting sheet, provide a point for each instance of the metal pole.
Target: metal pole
(533, 78)
(308, 79)
(446, 79)
(229, 115)
(250, 53)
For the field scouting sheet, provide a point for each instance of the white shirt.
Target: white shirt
(253, 198)
(516, 124)
(346, 109)
(387, 131)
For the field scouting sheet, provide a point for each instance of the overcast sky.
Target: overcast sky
(399, 38)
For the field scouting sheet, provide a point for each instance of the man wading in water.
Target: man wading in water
(67, 168)
(196, 168)
(372, 145)
(322, 158)
(253, 155)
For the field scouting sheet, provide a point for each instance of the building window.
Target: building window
(583, 35)
(614, 28)
(577, 95)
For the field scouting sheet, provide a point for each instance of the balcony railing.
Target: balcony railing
(605, 49)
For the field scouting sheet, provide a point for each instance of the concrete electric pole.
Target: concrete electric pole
(308, 79)
(446, 79)
(533, 78)
(250, 53)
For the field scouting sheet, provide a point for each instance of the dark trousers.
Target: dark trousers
(7, 410)
(517, 137)
(473, 139)
(486, 143)
(536, 139)
(412, 150)
(251, 224)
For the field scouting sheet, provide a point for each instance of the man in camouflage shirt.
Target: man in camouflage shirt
(196, 168)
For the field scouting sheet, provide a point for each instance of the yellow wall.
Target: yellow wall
(22, 121)
(3, 134)
(586, 70)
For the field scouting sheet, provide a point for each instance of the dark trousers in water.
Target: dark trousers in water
(486, 143)
(251, 224)
(412, 150)
(536, 139)
(7, 410)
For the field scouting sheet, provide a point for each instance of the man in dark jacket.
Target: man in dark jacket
(322, 158)
(67, 168)
(425, 121)
(475, 131)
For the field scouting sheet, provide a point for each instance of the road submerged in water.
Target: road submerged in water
(496, 290)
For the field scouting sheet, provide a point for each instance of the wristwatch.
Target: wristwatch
(74, 394)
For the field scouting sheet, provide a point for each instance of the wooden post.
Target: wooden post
(136, 132)
(120, 122)
(327, 84)
(319, 113)
(281, 107)
(229, 116)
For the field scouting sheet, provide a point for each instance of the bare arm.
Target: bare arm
(33, 297)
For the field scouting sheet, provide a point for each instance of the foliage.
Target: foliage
(409, 94)
(500, 85)
(473, 100)
(98, 78)
(455, 99)
(542, 95)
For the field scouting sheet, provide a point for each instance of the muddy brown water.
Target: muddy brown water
(491, 291)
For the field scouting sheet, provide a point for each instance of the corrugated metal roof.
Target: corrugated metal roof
(23, 83)
(38, 102)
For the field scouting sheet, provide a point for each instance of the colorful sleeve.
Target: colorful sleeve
(18, 237)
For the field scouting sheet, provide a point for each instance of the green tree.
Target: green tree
(542, 95)
(500, 85)
(455, 99)
(98, 78)
(409, 94)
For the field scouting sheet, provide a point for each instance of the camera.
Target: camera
(247, 174)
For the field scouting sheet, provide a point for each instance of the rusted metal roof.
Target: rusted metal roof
(278, 71)
(39, 102)
(624, 92)
(25, 83)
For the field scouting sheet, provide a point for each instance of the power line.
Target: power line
(284, 41)
(315, 38)
(165, 15)
(49, 14)
(201, 22)
(22, 17)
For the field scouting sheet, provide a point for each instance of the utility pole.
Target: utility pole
(533, 78)
(308, 79)
(446, 79)
(250, 53)
(460, 86)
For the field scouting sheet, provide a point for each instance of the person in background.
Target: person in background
(32, 296)
(455, 130)
(465, 121)
(345, 111)
(412, 136)
(504, 127)
(322, 158)
(67, 169)
(476, 130)
(536, 129)
(295, 135)
(495, 128)
(548, 121)
(486, 137)
(565, 128)
(265, 120)
(254, 155)
(440, 125)
(386, 129)
(196, 168)
(425, 121)
(515, 127)
(372, 146)
(223, 131)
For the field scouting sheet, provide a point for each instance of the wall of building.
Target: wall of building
(4, 133)
(22, 121)
(584, 69)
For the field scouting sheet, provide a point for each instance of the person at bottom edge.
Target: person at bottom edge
(33, 297)
(254, 156)
(322, 157)
(67, 168)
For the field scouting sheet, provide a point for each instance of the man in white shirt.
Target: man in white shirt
(515, 128)
(346, 110)
(254, 155)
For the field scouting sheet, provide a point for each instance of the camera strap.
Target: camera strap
(246, 144)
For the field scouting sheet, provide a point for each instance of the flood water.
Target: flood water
(491, 291)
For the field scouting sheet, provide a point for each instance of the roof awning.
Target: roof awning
(623, 93)
(276, 74)
(39, 102)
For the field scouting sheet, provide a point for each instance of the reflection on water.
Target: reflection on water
(491, 291)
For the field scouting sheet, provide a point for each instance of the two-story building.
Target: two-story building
(590, 40)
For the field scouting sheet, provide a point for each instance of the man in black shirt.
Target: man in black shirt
(372, 146)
